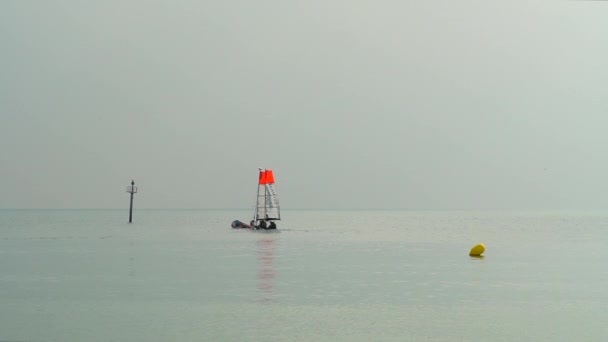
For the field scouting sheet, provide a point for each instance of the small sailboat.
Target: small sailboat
(267, 208)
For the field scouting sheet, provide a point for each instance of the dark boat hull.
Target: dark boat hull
(236, 224)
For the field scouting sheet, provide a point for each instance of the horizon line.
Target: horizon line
(329, 209)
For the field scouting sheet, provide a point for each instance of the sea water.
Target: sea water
(185, 275)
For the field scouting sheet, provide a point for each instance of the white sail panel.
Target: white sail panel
(267, 203)
(272, 203)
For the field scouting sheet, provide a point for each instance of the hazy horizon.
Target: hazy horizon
(355, 105)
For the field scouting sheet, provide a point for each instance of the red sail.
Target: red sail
(269, 177)
(262, 177)
(266, 177)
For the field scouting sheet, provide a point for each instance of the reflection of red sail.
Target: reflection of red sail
(266, 273)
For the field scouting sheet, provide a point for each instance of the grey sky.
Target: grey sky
(354, 104)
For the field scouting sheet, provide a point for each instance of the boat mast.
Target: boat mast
(257, 197)
(265, 201)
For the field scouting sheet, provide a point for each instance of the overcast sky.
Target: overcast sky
(353, 104)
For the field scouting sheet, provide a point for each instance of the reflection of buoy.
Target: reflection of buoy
(477, 250)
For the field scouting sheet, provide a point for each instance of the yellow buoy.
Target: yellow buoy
(477, 250)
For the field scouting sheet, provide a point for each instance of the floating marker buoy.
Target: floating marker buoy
(477, 250)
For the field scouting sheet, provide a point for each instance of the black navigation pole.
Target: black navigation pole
(132, 190)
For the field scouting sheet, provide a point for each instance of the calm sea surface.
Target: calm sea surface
(184, 275)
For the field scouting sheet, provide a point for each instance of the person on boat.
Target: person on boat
(263, 224)
(272, 225)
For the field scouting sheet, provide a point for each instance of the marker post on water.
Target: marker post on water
(132, 190)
